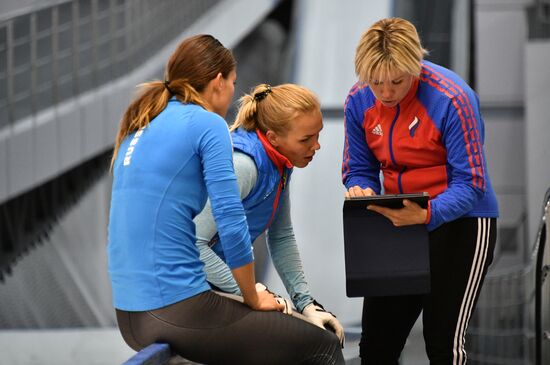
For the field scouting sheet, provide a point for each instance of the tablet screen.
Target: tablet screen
(394, 201)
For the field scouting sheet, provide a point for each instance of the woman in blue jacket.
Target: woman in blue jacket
(276, 129)
(172, 151)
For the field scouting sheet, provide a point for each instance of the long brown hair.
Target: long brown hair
(196, 61)
(274, 107)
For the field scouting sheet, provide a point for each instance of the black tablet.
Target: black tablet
(394, 201)
(382, 259)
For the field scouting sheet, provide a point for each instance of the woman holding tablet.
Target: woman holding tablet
(420, 125)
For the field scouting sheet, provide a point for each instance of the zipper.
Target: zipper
(399, 176)
(280, 187)
(392, 157)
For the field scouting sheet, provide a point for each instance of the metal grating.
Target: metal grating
(53, 54)
(505, 328)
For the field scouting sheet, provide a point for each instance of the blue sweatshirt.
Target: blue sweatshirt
(163, 175)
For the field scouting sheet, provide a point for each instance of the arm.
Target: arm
(217, 271)
(216, 157)
(287, 261)
(257, 300)
(359, 167)
(286, 258)
(463, 138)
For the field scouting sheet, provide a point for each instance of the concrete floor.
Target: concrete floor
(413, 353)
(105, 346)
(102, 346)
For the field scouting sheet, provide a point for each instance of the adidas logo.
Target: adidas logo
(377, 130)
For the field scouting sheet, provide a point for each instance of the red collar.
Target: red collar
(411, 94)
(278, 159)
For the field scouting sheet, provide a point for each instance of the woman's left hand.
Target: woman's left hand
(411, 213)
(317, 315)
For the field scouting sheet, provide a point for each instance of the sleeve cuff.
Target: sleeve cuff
(241, 261)
(429, 215)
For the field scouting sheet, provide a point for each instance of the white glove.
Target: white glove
(288, 304)
(317, 315)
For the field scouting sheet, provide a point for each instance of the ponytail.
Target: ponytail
(274, 108)
(195, 62)
(153, 99)
(246, 117)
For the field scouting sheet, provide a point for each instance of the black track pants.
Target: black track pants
(460, 253)
(211, 329)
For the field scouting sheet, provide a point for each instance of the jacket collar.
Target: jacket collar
(277, 158)
(411, 94)
(408, 98)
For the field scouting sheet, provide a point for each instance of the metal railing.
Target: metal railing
(513, 311)
(55, 53)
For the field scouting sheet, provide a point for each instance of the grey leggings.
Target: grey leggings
(212, 329)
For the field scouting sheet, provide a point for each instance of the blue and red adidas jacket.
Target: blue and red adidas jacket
(431, 141)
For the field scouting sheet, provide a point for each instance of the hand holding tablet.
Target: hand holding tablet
(394, 201)
(390, 206)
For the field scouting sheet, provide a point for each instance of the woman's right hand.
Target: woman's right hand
(256, 300)
(266, 302)
(356, 192)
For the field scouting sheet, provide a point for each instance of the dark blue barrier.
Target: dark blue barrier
(155, 354)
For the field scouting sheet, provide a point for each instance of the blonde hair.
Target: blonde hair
(196, 61)
(274, 108)
(389, 44)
